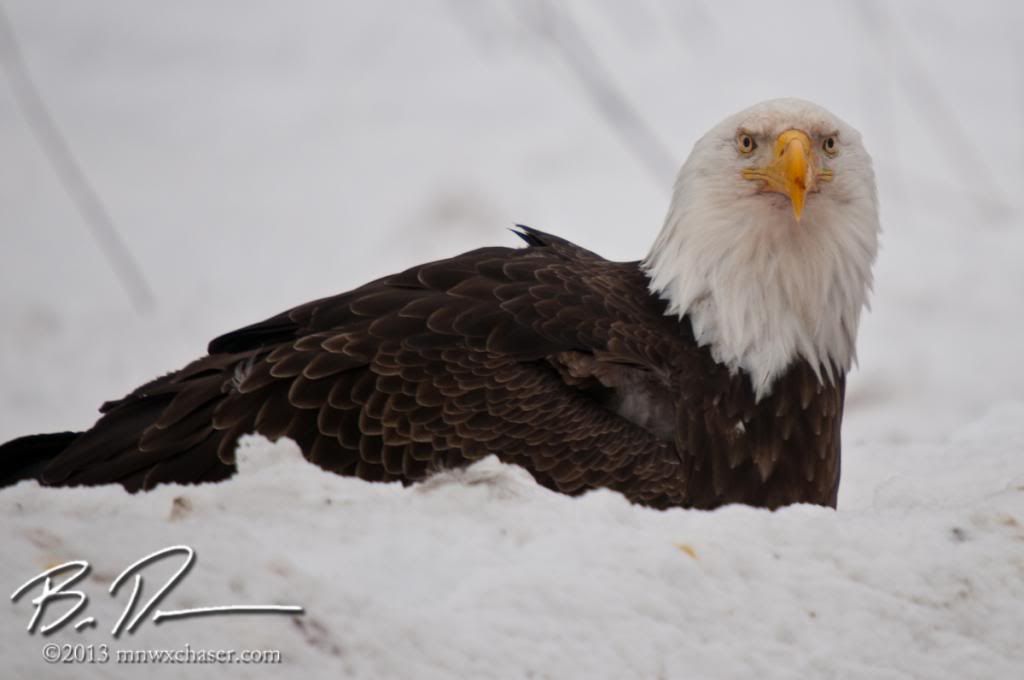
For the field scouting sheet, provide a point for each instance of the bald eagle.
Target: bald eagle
(710, 372)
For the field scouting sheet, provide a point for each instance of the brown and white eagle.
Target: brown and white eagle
(711, 372)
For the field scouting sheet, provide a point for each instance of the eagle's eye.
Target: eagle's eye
(830, 145)
(745, 143)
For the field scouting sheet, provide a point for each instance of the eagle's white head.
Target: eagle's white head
(769, 241)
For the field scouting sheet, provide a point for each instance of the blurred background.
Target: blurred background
(171, 171)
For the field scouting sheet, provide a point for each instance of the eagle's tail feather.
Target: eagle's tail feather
(26, 457)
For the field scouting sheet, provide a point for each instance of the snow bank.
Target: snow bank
(482, 573)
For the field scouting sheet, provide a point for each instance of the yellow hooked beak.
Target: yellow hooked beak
(792, 170)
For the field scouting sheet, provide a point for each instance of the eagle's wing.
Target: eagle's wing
(549, 357)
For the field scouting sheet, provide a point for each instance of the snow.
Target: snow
(482, 572)
(261, 155)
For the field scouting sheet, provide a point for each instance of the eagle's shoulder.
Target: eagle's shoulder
(551, 290)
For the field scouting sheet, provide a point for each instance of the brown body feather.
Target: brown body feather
(548, 357)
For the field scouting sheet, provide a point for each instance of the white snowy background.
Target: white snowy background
(254, 155)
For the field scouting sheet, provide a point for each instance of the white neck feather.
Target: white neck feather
(760, 289)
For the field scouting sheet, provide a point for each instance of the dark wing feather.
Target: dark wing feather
(549, 357)
(437, 366)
